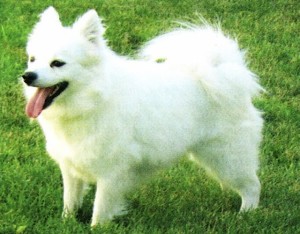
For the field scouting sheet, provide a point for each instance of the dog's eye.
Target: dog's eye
(57, 63)
(31, 59)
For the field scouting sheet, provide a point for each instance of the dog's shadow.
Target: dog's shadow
(138, 211)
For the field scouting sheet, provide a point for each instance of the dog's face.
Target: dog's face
(59, 57)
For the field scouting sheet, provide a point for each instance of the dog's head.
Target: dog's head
(59, 57)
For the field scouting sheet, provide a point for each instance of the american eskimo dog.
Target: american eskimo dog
(115, 121)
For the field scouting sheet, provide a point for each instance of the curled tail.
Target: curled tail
(209, 56)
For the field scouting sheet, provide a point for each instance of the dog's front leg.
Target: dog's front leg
(73, 192)
(109, 201)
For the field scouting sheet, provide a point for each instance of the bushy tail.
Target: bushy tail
(208, 55)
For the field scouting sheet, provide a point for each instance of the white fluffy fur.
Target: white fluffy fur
(120, 120)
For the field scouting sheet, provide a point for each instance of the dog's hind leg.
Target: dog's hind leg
(249, 192)
(234, 166)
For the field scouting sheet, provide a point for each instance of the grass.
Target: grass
(182, 199)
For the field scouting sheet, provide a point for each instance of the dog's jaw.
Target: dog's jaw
(43, 98)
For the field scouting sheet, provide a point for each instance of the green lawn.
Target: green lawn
(182, 199)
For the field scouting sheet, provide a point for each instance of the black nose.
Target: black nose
(29, 77)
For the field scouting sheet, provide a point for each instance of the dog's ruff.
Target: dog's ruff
(117, 120)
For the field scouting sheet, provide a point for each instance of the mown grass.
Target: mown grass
(182, 199)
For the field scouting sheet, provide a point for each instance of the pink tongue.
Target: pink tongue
(35, 105)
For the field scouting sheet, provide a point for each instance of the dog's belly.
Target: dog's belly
(91, 161)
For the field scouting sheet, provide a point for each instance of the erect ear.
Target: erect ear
(49, 24)
(50, 18)
(89, 25)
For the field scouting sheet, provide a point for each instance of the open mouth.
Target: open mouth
(57, 90)
(43, 98)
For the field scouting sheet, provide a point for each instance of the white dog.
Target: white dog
(115, 121)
